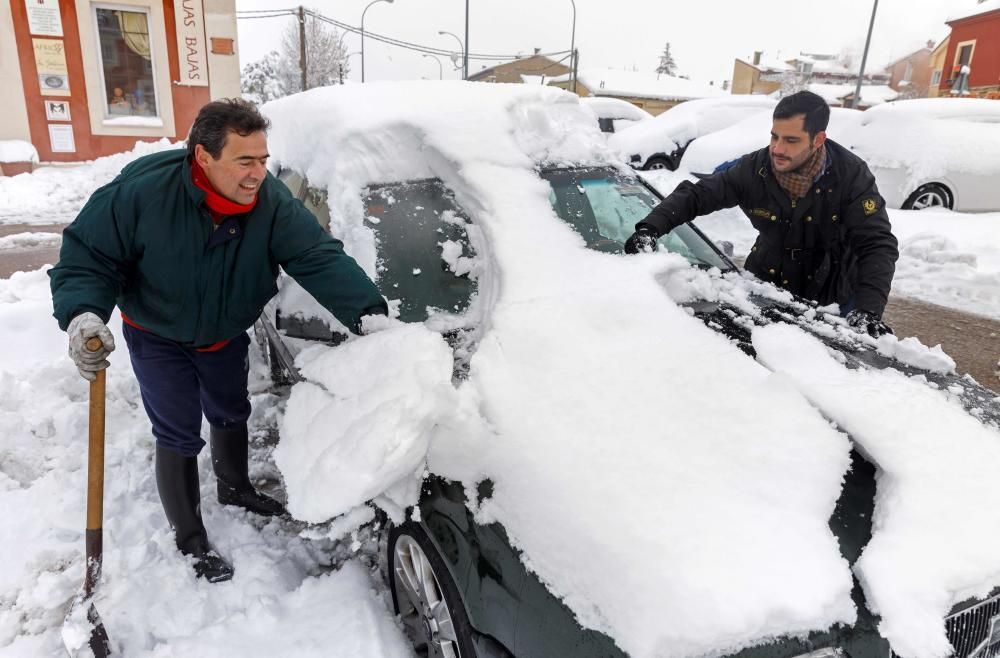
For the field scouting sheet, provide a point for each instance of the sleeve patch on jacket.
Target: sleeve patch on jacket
(870, 206)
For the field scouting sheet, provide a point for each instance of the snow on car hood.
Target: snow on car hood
(935, 526)
(674, 493)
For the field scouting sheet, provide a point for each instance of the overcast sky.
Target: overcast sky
(705, 35)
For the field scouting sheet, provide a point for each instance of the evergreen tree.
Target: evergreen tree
(667, 65)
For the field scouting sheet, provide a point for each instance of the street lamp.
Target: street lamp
(363, 35)
(572, 47)
(461, 48)
(864, 58)
(440, 68)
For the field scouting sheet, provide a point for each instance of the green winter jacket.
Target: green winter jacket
(146, 242)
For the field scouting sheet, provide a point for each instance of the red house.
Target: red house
(974, 42)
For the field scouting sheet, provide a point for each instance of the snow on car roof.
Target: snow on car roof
(615, 82)
(686, 121)
(870, 94)
(674, 493)
(614, 108)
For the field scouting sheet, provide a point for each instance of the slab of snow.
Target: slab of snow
(552, 409)
(134, 121)
(30, 240)
(614, 108)
(935, 523)
(16, 150)
(352, 432)
(56, 194)
(870, 94)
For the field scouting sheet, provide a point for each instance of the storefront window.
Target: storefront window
(127, 63)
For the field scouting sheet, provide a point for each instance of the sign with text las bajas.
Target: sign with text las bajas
(191, 46)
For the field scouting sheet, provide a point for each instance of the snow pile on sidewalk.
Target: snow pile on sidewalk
(617, 430)
(937, 470)
(282, 598)
(16, 150)
(55, 194)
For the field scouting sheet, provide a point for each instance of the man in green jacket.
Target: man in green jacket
(187, 243)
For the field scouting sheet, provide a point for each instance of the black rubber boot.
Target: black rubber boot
(177, 482)
(230, 454)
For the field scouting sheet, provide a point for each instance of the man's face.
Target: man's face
(790, 143)
(241, 167)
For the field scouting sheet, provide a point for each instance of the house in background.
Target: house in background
(85, 78)
(530, 70)
(937, 67)
(911, 75)
(655, 94)
(759, 76)
(974, 42)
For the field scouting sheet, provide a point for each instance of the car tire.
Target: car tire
(425, 596)
(658, 162)
(931, 195)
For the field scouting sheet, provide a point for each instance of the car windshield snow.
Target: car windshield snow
(603, 205)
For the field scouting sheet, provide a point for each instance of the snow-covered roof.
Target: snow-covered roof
(974, 10)
(769, 65)
(613, 82)
(870, 94)
(16, 150)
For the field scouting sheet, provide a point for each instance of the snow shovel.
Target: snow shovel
(99, 642)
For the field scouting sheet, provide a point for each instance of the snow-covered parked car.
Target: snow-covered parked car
(586, 454)
(933, 152)
(706, 154)
(613, 114)
(660, 143)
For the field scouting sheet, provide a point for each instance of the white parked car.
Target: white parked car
(660, 143)
(613, 114)
(941, 152)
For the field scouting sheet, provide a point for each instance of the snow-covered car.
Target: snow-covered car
(933, 152)
(613, 114)
(753, 133)
(660, 143)
(587, 454)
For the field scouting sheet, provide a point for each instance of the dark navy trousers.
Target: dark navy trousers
(178, 384)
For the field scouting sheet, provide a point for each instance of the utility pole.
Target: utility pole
(302, 45)
(864, 59)
(576, 60)
(465, 66)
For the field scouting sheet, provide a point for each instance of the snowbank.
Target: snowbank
(15, 150)
(55, 194)
(614, 82)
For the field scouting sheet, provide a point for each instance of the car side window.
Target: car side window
(425, 259)
(294, 182)
(315, 202)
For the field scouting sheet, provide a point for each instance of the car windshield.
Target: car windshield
(424, 255)
(603, 205)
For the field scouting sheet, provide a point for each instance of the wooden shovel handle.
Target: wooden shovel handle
(95, 453)
(93, 344)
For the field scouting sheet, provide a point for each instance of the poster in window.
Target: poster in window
(191, 43)
(50, 64)
(61, 138)
(43, 17)
(57, 110)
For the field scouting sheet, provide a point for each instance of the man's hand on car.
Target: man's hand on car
(81, 329)
(644, 239)
(868, 322)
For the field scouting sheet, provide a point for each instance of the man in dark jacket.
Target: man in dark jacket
(187, 243)
(823, 230)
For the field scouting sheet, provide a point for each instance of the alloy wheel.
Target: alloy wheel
(422, 605)
(930, 199)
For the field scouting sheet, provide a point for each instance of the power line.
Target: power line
(392, 41)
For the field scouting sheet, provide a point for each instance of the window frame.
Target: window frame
(147, 11)
(971, 45)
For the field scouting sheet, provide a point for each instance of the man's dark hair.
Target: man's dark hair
(815, 109)
(218, 118)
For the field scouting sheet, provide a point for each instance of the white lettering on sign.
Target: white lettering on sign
(191, 42)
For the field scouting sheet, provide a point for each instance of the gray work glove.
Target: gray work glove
(81, 329)
(867, 322)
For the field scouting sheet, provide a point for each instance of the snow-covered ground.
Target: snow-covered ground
(591, 391)
(946, 258)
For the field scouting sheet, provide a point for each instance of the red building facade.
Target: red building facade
(974, 42)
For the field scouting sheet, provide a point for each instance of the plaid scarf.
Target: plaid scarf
(798, 182)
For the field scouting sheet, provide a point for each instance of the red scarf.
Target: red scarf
(219, 207)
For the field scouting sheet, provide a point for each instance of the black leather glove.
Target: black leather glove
(867, 322)
(644, 239)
